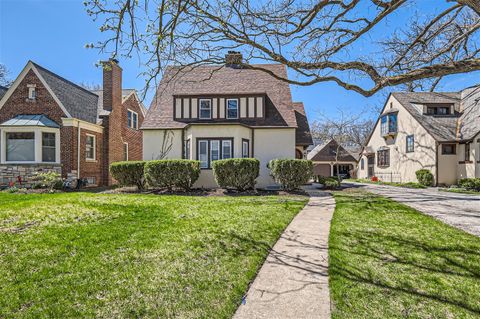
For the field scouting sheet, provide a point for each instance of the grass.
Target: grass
(459, 190)
(389, 261)
(405, 185)
(109, 256)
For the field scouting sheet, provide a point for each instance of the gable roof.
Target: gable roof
(469, 122)
(3, 90)
(321, 153)
(219, 79)
(302, 132)
(442, 128)
(126, 93)
(79, 102)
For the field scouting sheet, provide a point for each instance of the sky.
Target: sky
(53, 33)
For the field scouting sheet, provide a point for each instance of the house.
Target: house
(332, 159)
(48, 123)
(438, 131)
(216, 112)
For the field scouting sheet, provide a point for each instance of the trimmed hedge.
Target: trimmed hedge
(129, 173)
(172, 173)
(291, 173)
(424, 177)
(328, 182)
(238, 173)
(471, 184)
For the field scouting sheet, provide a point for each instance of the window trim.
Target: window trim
(407, 150)
(386, 132)
(454, 149)
(94, 147)
(244, 140)
(200, 109)
(54, 147)
(238, 108)
(380, 158)
(125, 144)
(208, 140)
(362, 164)
(130, 123)
(37, 144)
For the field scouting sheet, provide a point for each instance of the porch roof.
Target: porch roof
(30, 120)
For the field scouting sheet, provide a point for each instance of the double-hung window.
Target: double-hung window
(210, 150)
(48, 147)
(90, 147)
(132, 119)
(232, 108)
(410, 143)
(205, 109)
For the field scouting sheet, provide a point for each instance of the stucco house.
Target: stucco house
(331, 159)
(48, 123)
(439, 131)
(223, 111)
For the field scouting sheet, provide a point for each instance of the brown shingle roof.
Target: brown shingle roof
(302, 132)
(222, 80)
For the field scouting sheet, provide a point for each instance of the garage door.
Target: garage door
(321, 169)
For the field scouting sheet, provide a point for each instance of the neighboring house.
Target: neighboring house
(48, 123)
(326, 162)
(223, 111)
(436, 131)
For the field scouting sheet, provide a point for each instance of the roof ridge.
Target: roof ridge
(62, 78)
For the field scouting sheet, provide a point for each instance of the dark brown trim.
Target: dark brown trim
(175, 108)
(219, 95)
(454, 148)
(248, 108)
(218, 108)
(183, 144)
(190, 107)
(182, 115)
(220, 154)
(255, 107)
(465, 162)
(253, 142)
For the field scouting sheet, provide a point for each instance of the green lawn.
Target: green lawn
(459, 190)
(105, 256)
(405, 185)
(389, 261)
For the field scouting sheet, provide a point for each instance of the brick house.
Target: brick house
(49, 123)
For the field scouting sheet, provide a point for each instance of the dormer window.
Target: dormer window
(232, 108)
(205, 109)
(32, 94)
(388, 124)
(438, 110)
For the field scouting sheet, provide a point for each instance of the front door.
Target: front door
(371, 164)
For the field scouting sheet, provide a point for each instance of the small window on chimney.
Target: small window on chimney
(32, 94)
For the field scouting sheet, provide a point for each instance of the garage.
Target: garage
(321, 170)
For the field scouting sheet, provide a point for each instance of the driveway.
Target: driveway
(459, 210)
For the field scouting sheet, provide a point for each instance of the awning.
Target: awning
(30, 120)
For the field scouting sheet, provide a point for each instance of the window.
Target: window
(410, 143)
(32, 94)
(186, 149)
(245, 148)
(383, 158)
(448, 149)
(388, 124)
(362, 164)
(210, 150)
(443, 111)
(91, 181)
(90, 147)
(20, 147)
(125, 151)
(232, 108)
(132, 119)
(205, 109)
(467, 152)
(438, 110)
(48, 147)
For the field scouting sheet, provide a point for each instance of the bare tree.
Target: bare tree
(91, 86)
(4, 76)
(166, 146)
(348, 42)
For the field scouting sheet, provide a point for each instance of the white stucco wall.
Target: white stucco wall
(152, 143)
(403, 165)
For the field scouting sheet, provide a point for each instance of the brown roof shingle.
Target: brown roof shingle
(302, 132)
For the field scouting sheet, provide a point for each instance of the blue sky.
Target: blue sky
(53, 33)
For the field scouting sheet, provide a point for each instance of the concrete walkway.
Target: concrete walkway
(293, 281)
(458, 210)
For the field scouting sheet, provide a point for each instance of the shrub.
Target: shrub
(472, 184)
(50, 180)
(172, 173)
(238, 173)
(291, 173)
(424, 177)
(129, 173)
(332, 183)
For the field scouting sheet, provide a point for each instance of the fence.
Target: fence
(389, 177)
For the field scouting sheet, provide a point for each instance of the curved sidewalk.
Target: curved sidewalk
(293, 281)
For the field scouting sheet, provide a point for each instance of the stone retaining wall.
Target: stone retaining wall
(26, 172)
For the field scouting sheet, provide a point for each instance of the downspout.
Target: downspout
(436, 163)
(78, 151)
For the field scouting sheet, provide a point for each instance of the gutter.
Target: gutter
(78, 152)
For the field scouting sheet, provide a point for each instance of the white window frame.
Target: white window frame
(38, 143)
(238, 109)
(207, 155)
(131, 122)
(209, 146)
(94, 147)
(200, 109)
(125, 144)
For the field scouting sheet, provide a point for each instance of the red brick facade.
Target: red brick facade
(109, 142)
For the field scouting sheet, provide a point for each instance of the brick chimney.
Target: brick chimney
(112, 84)
(233, 59)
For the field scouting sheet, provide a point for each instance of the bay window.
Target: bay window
(20, 146)
(30, 145)
(209, 150)
(388, 124)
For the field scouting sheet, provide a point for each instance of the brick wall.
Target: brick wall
(89, 168)
(133, 137)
